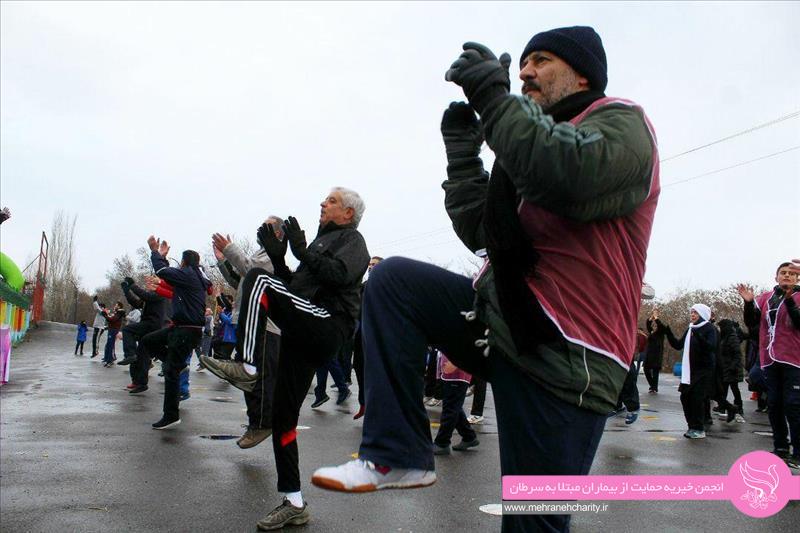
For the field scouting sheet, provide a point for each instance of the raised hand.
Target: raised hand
(746, 292)
(163, 249)
(151, 282)
(296, 237)
(217, 253)
(152, 243)
(462, 132)
(482, 76)
(275, 247)
(220, 242)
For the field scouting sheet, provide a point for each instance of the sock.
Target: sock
(295, 498)
(250, 369)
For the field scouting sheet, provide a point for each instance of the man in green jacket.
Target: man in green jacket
(564, 222)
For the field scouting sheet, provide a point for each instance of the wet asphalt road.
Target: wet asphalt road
(77, 454)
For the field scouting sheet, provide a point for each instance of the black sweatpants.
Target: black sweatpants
(259, 401)
(651, 374)
(433, 385)
(96, 336)
(478, 396)
(453, 417)
(629, 395)
(409, 305)
(172, 345)
(693, 400)
(737, 397)
(132, 345)
(345, 360)
(358, 364)
(783, 398)
(310, 336)
(79, 344)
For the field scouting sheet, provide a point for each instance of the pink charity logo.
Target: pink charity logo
(759, 484)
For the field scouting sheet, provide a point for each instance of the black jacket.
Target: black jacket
(654, 354)
(330, 274)
(730, 354)
(702, 348)
(189, 288)
(115, 318)
(152, 305)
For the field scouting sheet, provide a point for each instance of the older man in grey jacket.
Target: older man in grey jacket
(234, 264)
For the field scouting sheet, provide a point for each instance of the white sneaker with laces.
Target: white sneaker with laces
(739, 418)
(365, 476)
(475, 419)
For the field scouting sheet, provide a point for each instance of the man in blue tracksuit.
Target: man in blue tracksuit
(175, 343)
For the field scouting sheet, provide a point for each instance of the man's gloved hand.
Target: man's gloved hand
(296, 237)
(275, 247)
(462, 132)
(130, 281)
(483, 77)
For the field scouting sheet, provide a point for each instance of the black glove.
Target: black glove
(125, 285)
(275, 247)
(462, 132)
(483, 77)
(130, 281)
(296, 238)
(94, 298)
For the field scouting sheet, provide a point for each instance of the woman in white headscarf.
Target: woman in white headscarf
(698, 345)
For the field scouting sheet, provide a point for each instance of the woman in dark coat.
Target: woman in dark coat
(732, 368)
(654, 358)
(699, 344)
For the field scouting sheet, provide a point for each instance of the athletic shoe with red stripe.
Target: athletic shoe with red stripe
(366, 476)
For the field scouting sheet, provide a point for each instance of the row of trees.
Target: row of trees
(65, 299)
(673, 310)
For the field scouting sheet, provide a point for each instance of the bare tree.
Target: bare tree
(673, 310)
(62, 280)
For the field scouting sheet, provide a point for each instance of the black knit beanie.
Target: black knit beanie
(580, 47)
(191, 258)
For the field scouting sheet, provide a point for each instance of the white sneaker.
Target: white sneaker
(739, 418)
(475, 419)
(433, 402)
(364, 476)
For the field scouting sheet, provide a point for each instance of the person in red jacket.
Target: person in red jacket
(114, 325)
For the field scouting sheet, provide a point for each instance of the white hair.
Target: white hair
(351, 198)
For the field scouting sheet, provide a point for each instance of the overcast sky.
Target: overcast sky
(183, 119)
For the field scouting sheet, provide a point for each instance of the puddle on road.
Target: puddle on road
(225, 399)
(220, 437)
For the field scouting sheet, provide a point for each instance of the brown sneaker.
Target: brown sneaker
(284, 515)
(231, 371)
(253, 437)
